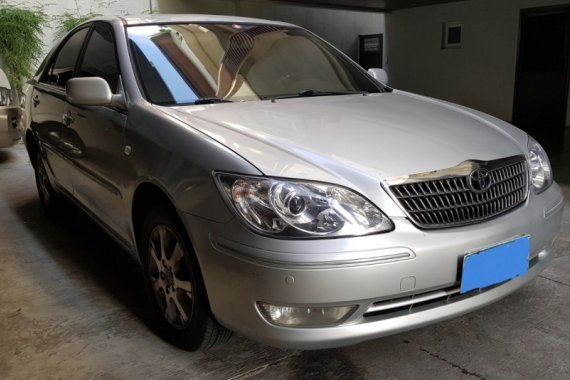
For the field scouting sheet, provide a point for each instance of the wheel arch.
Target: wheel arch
(146, 196)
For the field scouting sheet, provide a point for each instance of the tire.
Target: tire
(49, 198)
(174, 285)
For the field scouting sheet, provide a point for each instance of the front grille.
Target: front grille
(451, 197)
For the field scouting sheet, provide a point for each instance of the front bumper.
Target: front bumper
(241, 268)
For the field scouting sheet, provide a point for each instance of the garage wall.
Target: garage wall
(219, 7)
(568, 109)
(480, 74)
(339, 27)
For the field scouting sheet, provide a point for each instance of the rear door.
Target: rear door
(48, 104)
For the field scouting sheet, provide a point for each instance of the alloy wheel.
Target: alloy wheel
(170, 276)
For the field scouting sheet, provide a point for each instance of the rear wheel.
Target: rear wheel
(174, 284)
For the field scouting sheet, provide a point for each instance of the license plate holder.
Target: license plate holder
(496, 264)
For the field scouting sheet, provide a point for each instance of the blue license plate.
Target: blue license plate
(495, 265)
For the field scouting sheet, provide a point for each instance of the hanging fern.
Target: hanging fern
(67, 21)
(20, 41)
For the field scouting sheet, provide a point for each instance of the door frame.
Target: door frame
(547, 10)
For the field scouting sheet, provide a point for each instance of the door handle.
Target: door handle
(67, 119)
(36, 100)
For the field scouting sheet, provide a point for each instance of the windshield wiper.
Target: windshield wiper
(309, 93)
(211, 100)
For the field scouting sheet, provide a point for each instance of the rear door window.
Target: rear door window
(63, 66)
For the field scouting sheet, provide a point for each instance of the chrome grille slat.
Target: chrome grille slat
(409, 301)
(422, 301)
(449, 201)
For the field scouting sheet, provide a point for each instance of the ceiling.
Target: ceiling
(368, 5)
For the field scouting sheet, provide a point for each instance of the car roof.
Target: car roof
(189, 18)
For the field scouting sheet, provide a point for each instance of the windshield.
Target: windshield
(185, 63)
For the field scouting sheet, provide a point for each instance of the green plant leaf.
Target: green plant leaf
(20, 41)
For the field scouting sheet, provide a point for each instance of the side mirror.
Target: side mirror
(379, 74)
(92, 91)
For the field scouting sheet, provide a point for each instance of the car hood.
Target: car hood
(331, 137)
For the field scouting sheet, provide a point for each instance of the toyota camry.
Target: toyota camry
(268, 185)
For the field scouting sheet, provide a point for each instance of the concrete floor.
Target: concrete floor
(71, 306)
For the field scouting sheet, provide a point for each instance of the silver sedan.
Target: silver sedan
(270, 186)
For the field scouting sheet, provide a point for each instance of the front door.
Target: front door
(541, 90)
(94, 138)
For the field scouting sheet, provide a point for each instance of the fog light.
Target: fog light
(305, 316)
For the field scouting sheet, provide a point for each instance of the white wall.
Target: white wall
(340, 27)
(83, 7)
(481, 74)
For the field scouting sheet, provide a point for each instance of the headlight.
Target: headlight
(540, 169)
(301, 209)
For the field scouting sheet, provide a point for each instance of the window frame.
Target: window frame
(447, 26)
(81, 57)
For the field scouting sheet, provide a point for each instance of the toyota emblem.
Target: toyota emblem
(480, 180)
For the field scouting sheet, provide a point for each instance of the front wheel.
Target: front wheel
(48, 197)
(174, 284)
